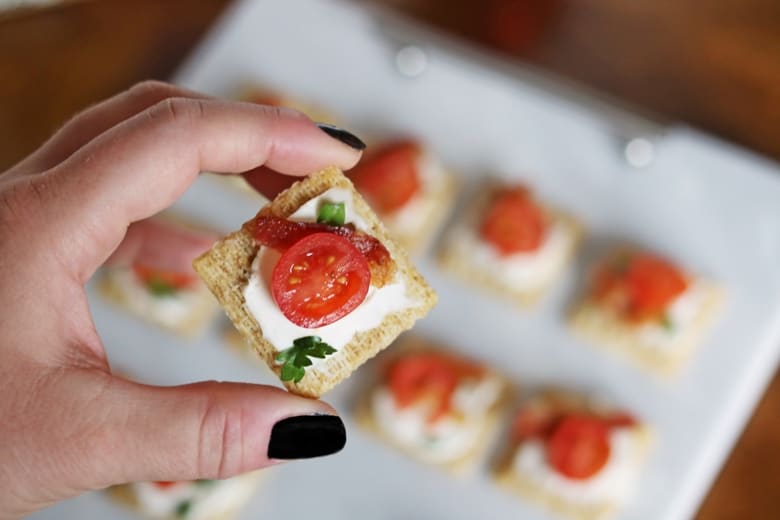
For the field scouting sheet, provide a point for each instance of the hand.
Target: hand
(67, 424)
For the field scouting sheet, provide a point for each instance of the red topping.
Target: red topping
(639, 286)
(388, 178)
(162, 277)
(429, 376)
(320, 279)
(514, 223)
(579, 446)
(534, 421)
(164, 484)
(281, 234)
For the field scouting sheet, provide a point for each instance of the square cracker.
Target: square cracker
(464, 464)
(483, 278)
(530, 489)
(604, 329)
(226, 268)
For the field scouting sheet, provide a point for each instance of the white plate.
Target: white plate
(713, 207)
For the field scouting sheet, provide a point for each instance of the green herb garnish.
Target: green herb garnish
(666, 323)
(295, 359)
(183, 508)
(160, 288)
(332, 213)
(205, 482)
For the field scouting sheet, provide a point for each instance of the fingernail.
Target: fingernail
(306, 436)
(342, 135)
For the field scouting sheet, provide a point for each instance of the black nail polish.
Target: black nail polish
(342, 135)
(306, 436)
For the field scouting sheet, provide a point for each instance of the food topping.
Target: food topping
(388, 178)
(162, 282)
(295, 359)
(514, 222)
(639, 287)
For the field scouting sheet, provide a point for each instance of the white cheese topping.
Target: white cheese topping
(680, 315)
(206, 500)
(523, 271)
(413, 214)
(614, 483)
(169, 310)
(447, 439)
(280, 331)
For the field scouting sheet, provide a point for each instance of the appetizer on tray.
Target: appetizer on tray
(174, 300)
(510, 243)
(408, 187)
(646, 308)
(315, 284)
(437, 407)
(573, 456)
(189, 500)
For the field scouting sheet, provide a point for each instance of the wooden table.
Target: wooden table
(713, 64)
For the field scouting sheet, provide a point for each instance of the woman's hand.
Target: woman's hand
(68, 425)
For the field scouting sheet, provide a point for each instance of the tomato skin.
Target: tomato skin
(533, 422)
(578, 447)
(281, 234)
(164, 484)
(429, 375)
(639, 286)
(514, 223)
(319, 280)
(173, 279)
(388, 178)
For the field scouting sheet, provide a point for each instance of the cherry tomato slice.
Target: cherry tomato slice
(429, 375)
(578, 447)
(320, 279)
(161, 277)
(164, 484)
(641, 286)
(388, 178)
(514, 223)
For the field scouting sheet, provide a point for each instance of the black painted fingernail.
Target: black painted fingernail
(306, 436)
(342, 135)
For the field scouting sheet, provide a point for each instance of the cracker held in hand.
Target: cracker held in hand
(315, 284)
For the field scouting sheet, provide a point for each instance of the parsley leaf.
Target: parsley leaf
(183, 508)
(296, 358)
(160, 288)
(332, 213)
(205, 482)
(666, 323)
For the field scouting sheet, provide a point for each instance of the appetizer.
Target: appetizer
(437, 407)
(315, 284)
(174, 300)
(647, 308)
(573, 456)
(510, 243)
(408, 187)
(189, 500)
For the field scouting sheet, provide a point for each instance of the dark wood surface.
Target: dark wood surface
(713, 64)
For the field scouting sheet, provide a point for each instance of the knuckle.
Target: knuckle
(219, 441)
(151, 90)
(178, 110)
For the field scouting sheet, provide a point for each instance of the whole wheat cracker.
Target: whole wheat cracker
(489, 281)
(530, 489)
(605, 330)
(420, 238)
(464, 464)
(226, 268)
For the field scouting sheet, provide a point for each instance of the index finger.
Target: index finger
(141, 166)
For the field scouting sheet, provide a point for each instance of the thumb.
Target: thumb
(205, 430)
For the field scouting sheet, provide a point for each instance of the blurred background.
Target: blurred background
(714, 65)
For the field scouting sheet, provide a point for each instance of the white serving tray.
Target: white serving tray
(712, 206)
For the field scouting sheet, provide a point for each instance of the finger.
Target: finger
(162, 245)
(268, 182)
(144, 164)
(205, 430)
(95, 120)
